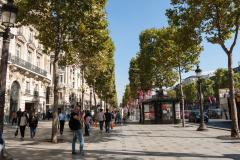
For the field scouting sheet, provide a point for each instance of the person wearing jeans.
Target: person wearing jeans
(108, 118)
(78, 135)
(77, 130)
(33, 123)
(100, 119)
(62, 119)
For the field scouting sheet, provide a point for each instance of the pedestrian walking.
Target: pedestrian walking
(76, 127)
(22, 124)
(100, 119)
(87, 122)
(108, 118)
(33, 123)
(19, 114)
(119, 119)
(14, 118)
(62, 119)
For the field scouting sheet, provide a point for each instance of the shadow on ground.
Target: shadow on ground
(61, 154)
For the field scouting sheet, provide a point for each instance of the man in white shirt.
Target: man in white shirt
(62, 119)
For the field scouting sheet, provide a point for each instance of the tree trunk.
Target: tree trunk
(217, 95)
(83, 90)
(90, 100)
(182, 97)
(55, 82)
(55, 104)
(3, 76)
(94, 96)
(235, 129)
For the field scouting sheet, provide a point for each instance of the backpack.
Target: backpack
(71, 123)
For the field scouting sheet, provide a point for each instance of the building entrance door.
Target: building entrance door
(14, 98)
(29, 107)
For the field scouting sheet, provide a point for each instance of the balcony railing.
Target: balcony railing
(27, 65)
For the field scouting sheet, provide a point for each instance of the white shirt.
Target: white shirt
(23, 121)
(100, 116)
(62, 117)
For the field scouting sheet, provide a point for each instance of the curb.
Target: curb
(212, 127)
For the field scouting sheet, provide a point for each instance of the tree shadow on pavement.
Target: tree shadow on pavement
(61, 154)
(227, 137)
(139, 154)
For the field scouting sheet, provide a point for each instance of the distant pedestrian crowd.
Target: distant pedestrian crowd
(80, 122)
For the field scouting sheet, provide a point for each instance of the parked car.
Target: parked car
(216, 113)
(194, 116)
(186, 114)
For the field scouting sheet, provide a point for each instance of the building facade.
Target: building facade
(28, 74)
(29, 77)
(73, 89)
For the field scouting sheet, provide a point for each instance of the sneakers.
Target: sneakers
(82, 153)
(74, 153)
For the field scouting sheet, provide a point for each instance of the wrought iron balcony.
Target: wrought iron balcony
(20, 62)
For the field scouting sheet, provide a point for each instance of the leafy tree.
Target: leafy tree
(218, 21)
(207, 88)
(171, 93)
(126, 96)
(176, 51)
(190, 92)
(153, 69)
(134, 78)
(77, 27)
(220, 81)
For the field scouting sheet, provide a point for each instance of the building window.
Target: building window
(36, 87)
(61, 78)
(31, 35)
(29, 55)
(38, 61)
(73, 84)
(60, 95)
(18, 51)
(27, 87)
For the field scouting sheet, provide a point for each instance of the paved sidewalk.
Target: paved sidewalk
(130, 142)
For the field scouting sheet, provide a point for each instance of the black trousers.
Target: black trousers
(86, 130)
(22, 131)
(14, 121)
(61, 126)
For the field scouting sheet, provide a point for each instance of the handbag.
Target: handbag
(16, 132)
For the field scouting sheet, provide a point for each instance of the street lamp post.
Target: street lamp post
(202, 126)
(9, 14)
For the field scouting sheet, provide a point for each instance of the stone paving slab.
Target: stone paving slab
(129, 142)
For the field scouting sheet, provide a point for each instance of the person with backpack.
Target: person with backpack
(76, 126)
(108, 118)
(33, 123)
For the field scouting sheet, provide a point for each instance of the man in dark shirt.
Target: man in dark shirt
(77, 130)
(108, 118)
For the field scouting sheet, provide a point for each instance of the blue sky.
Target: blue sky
(128, 18)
